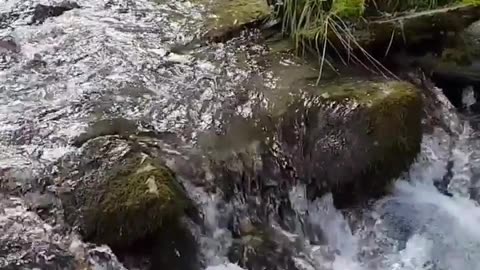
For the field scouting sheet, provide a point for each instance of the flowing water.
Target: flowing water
(415, 228)
(120, 59)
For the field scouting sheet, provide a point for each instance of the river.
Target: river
(121, 59)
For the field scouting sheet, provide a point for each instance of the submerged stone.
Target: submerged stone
(261, 250)
(351, 138)
(43, 12)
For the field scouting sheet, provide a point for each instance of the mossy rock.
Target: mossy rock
(356, 136)
(134, 204)
(261, 250)
(118, 195)
(229, 17)
(349, 137)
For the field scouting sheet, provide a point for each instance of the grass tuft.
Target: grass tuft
(315, 24)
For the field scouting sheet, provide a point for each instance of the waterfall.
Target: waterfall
(416, 227)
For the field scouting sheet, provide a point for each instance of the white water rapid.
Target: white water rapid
(415, 228)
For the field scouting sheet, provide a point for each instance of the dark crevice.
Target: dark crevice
(43, 12)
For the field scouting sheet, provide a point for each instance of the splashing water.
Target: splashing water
(415, 228)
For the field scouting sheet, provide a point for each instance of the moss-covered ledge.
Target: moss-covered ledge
(229, 17)
(350, 137)
(393, 115)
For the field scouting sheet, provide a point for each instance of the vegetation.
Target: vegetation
(322, 24)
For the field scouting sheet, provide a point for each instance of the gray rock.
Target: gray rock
(115, 193)
(42, 12)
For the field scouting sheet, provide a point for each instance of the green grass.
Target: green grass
(313, 23)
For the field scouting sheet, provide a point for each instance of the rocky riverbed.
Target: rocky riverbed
(132, 138)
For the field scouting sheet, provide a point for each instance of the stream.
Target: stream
(134, 60)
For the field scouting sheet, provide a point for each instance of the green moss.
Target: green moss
(394, 107)
(349, 8)
(396, 122)
(240, 12)
(471, 2)
(135, 204)
(396, 129)
(230, 16)
(391, 113)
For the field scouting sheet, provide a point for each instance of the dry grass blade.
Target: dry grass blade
(309, 23)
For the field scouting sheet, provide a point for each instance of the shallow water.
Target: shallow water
(108, 59)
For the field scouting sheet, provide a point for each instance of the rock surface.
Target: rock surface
(352, 138)
(116, 194)
(228, 18)
(264, 249)
(349, 136)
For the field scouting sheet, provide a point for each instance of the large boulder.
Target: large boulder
(351, 137)
(115, 193)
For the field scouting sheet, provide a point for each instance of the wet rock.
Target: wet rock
(8, 44)
(9, 50)
(230, 17)
(261, 250)
(175, 249)
(439, 112)
(353, 138)
(171, 248)
(39, 201)
(116, 194)
(455, 69)
(36, 63)
(348, 137)
(119, 194)
(43, 12)
(245, 226)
